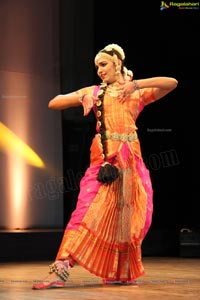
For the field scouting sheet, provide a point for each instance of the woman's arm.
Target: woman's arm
(162, 85)
(65, 101)
(73, 99)
(82, 97)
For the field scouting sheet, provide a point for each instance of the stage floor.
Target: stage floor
(165, 279)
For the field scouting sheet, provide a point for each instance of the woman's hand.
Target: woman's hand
(87, 103)
(126, 89)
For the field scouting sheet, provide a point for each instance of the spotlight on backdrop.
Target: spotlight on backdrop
(11, 143)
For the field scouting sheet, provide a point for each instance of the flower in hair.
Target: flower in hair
(117, 48)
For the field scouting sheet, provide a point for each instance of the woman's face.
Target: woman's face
(106, 70)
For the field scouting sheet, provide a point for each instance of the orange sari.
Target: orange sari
(106, 230)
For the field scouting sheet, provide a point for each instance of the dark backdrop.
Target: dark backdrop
(156, 43)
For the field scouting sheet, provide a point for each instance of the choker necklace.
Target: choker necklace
(112, 90)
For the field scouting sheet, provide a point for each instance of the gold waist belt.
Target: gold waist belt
(124, 137)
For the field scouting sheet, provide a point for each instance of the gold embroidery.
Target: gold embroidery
(124, 137)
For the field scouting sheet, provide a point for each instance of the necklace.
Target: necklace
(113, 91)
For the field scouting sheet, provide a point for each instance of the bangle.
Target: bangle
(136, 87)
(81, 98)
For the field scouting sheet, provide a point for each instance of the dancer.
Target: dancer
(115, 203)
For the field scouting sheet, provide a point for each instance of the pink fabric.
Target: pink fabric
(146, 182)
(125, 151)
(88, 190)
(96, 89)
(89, 187)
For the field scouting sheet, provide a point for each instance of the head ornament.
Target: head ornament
(114, 53)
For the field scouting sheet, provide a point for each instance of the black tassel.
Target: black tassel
(108, 173)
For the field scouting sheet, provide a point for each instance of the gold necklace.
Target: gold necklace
(112, 90)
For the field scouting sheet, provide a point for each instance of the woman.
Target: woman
(114, 207)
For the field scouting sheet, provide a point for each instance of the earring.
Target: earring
(118, 67)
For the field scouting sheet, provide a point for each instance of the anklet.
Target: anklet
(60, 268)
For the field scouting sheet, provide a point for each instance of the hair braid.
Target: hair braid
(107, 173)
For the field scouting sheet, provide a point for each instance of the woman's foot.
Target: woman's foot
(57, 276)
(51, 281)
